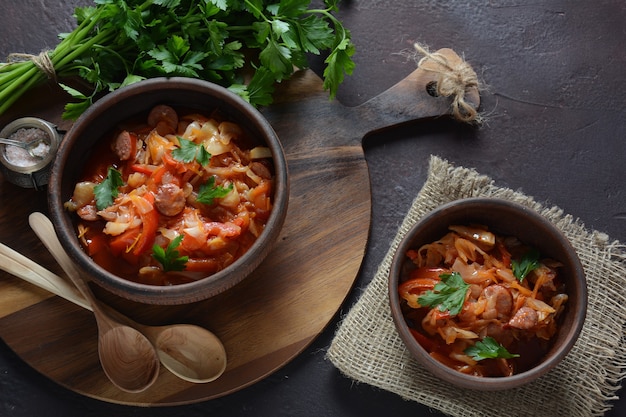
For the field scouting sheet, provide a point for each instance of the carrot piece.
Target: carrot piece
(427, 272)
(146, 239)
(209, 265)
(124, 242)
(143, 168)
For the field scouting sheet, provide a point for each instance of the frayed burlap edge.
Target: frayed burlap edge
(367, 348)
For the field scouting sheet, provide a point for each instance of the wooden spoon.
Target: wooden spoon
(190, 352)
(127, 357)
(30, 271)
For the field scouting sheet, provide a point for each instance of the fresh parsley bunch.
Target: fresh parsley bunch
(119, 42)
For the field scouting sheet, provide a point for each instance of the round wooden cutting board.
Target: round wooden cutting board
(273, 315)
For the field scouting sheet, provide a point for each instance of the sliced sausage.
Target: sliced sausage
(169, 199)
(125, 146)
(164, 119)
(525, 318)
(261, 170)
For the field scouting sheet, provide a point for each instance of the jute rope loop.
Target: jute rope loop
(41, 61)
(454, 80)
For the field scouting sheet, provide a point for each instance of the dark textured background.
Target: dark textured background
(555, 104)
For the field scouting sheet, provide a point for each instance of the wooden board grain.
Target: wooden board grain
(274, 314)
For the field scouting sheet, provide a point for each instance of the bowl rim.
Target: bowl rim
(469, 381)
(187, 292)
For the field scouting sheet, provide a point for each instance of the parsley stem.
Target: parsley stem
(19, 85)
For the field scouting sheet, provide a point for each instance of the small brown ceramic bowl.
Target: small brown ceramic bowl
(136, 101)
(506, 219)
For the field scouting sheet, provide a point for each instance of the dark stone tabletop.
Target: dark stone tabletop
(555, 109)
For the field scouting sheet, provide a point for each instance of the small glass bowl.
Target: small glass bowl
(34, 175)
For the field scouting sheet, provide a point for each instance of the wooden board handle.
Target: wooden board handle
(410, 99)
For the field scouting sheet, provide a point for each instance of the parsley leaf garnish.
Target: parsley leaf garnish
(208, 191)
(524, 266)
(448, 294)
(107, 190)
(190, 150)
(170, 258)
(488, 348)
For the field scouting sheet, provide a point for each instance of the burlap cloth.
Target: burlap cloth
(367, 348)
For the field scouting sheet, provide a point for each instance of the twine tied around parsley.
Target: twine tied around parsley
(41, 61)
(454, 80)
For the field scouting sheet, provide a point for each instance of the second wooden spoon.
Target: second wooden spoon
(127, 357)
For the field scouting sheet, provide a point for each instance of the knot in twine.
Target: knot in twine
(454, 80)
(41, 61)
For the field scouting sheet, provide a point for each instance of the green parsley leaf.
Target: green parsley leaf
(203, 157)
(170, 258)
(221, 4)
(524, 266)
(189, 150)
(261, 32)
(253, 6)
(218, 34)
(241, 90)
(107, 190)
(73, 92)
(332, 4)
(315, 34)
(260, 88)
(279, 27)
(131, 79)
(291, 8)
(176, 57)
(488, 348)
(448, 294)
(208, 191)
(75, 109)
(170, 4)
(339, 62)
(277, 58)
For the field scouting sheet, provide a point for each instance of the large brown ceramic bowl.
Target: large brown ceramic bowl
(508, 219)
(128, 103)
